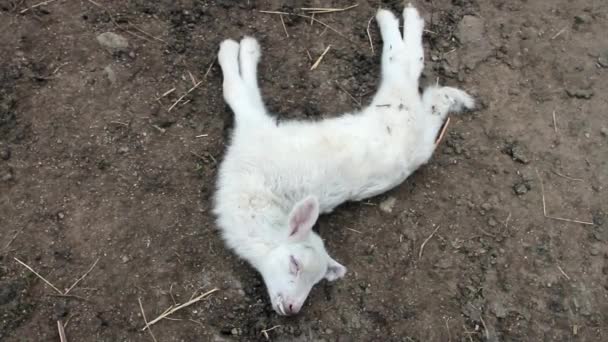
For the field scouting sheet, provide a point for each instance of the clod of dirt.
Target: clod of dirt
(517, 151)
(113, 42)
(498, 309)
(603, 59)
(110, 74)
(579, 93)
(475, 44)
(521, 188)
(603, 132)
(6, 175)
(388, 205)
(5, 153)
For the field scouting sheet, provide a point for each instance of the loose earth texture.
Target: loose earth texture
(100, 162)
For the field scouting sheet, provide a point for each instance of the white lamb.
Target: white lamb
(276, 179)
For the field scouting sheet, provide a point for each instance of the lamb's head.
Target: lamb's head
(299, 261)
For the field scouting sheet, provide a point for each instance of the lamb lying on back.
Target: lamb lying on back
(275, 180)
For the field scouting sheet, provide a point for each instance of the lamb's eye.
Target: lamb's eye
(294, 265)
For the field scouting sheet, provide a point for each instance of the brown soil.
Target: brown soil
(93, 165)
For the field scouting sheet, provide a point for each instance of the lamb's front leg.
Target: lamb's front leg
(241, 90)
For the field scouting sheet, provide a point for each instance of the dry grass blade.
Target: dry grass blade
(425, 241)
(349, 94)
(312, 19)
(61, 329)
(321, 10)
(562, 271)
(265, 331)
(82, 277)
(314, 66)
(8, 244)
(542, 192)
(39, 276)
(37, 5)
(173, 308)
(567, 177)
(443, 130)
(554, 123)
(194, 87)
(143, 314)
(369, 36)
(284, 27)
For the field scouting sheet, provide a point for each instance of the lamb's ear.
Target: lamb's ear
(335, 270)
(302, 217)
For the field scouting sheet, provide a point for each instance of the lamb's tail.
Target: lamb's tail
(442, 100)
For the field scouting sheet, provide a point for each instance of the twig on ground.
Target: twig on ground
(507, 220)
(354, 230)
(558, 33)
(311, 18)
(39, 276)
(166, 93)
(443, 130)
(143, 313)
(564, 273)
(485, 328)
(567, 177)
(82, 277)
(284, 27)
(61, 329)
(265, 331)
(192, 89)
(314, 66)
(369, 36)
(122, 28)
(173, 309)
(554, 123)
(8, 244)
(542, 191)
(447, 325)
(321, 10)
(425, 241)
(37, 5)
(192, 78)
(349, 94)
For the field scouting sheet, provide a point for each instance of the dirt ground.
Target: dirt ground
(94, 166)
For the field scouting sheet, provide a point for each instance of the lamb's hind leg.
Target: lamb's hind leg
(402, 58)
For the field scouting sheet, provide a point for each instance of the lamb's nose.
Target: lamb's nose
(292, 309)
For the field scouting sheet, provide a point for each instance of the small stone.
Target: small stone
(113, 42)
(110, 74)
(388, 204)
(604, 131)
(443, 264)
(6, 177)
(521, 188)
(234, 331)
(5, 153)
(492, 222)
(518, 152)
(580, 93)
(123, 150)
(60, 215)
(486, 206)
(594, 251)
(125, 259)
(602, 60)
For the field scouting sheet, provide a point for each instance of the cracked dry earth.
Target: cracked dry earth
(93, 166)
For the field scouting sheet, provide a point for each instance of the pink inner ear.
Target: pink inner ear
(303, 217)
